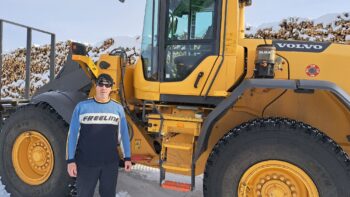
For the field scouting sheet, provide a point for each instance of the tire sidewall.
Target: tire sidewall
(46, 123)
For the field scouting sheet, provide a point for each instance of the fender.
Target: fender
(226, 104)
(63, 102)
(71, 78)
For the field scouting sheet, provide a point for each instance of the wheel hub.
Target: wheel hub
(276, 179)
(274, 188)
(32, 157)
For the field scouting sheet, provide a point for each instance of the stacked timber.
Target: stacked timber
(13, 72)
(336, 30)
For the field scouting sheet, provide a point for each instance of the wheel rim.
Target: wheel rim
(32, 158)
(276, 179)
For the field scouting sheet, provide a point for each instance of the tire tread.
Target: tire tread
(292, 126)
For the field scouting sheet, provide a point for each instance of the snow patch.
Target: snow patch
(122, 194)
(3, 192)
(347, 38)
(123, 41)
(326, 19)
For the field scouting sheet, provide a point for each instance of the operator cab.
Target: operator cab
(185, 38)
(182, 50)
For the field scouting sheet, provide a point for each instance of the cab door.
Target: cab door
(189, 51)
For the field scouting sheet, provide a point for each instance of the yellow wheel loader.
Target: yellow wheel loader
(256, 117)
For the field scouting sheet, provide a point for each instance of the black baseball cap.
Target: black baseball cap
(104, 78)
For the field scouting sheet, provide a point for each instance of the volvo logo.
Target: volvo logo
(300, 46)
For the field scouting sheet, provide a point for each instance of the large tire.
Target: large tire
(275, 139)
(46, 122)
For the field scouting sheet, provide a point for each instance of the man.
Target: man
(96, 127)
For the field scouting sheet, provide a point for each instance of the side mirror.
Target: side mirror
(78, 49)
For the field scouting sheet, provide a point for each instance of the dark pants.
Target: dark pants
(88, 176)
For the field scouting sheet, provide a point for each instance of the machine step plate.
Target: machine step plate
(172, 185)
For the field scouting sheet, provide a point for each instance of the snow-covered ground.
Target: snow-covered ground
(3, 192)
(144, 181)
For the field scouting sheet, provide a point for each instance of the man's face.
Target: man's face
(103, 89)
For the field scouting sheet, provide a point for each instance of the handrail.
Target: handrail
(28, 52)
(25, 26)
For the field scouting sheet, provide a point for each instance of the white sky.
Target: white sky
(92, 21)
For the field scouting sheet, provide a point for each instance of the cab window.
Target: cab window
(190, 36)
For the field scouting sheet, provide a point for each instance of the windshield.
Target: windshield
(149, 45)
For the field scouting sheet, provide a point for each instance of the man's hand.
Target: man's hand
(72, 169)
(127, 166)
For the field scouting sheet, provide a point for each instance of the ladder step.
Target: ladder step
(177, 167)
(180, 146)
(181, 187)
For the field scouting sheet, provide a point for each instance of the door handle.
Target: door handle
(199, 76)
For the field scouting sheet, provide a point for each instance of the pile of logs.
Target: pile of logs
(13, 71)
(307, 30)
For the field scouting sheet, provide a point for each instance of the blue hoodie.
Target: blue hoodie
(94, 133)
